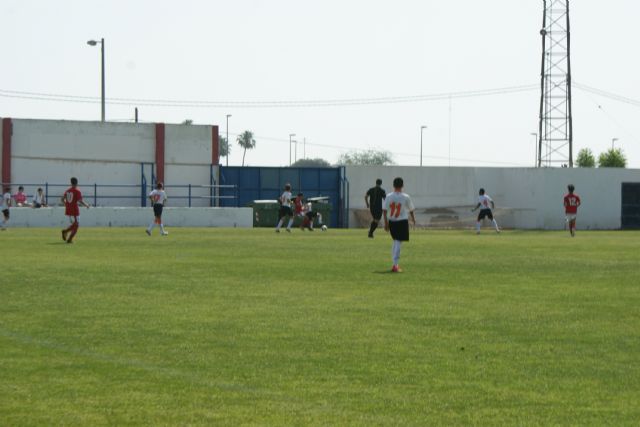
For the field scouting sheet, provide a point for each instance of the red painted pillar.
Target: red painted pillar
(159, 152)
(215, 146)
(7, 132)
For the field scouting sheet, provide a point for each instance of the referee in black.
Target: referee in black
(373, 199)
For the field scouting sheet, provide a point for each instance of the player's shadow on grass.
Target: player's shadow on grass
(385, 272)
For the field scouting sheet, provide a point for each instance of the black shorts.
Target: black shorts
(485, 212)
(376, 214)
(399, 230)
(285, 211)
(5, 212)
(311, 215)
(157, 209)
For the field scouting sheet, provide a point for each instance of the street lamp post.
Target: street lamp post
(102, 98)
(291, 135)
(613, 143)
(228, 115)
(535, 161)
(422, 128)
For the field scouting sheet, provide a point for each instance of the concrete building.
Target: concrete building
(110, 160)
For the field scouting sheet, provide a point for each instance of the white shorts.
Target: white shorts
(571, 217)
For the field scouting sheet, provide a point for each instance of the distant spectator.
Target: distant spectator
(20, 197)
(39, 201)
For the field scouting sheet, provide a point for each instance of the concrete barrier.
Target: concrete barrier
(525, 198)
(134, 217)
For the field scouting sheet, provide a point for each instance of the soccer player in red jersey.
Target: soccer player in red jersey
(71, 199)
(571, 203)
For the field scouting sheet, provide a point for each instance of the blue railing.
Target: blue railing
(132, 194)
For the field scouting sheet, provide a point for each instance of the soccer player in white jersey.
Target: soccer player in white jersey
(397, 210)
(285, 209)
(485, 203)
(5, 204)
(309, 216)
(158, 198)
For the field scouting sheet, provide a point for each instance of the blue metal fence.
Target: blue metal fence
(266, 183)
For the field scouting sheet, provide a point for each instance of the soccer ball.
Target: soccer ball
(323, 228)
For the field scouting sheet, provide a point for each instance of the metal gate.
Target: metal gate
(630, 205)
(260, 183)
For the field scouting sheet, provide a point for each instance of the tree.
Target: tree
(224, 146)
(246, 141)
(187, 122)
(586, 159)
(612, 158)
(366, 157)
(311, 163)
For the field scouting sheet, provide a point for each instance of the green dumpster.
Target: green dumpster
(265, 212)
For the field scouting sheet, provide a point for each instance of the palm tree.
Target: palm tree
(246, 141)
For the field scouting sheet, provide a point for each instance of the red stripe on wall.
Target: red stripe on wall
(215, 146)
(7, 132)
(159, 152)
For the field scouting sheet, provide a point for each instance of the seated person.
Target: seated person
(20, 197)
(39, 201)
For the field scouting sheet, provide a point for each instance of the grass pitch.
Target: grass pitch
(246, 327)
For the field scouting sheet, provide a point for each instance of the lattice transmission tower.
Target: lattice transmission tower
(555, 143)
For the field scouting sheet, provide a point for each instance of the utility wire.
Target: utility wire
(606, 94)
(39, 96)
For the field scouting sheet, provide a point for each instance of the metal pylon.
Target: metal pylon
(555, 144)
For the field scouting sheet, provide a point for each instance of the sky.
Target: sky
(289, 53)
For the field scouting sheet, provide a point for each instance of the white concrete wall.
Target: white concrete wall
(51, 151)
(524, 197)
(134, 217)
(188, 155)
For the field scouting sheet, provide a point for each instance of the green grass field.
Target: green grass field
(246, 327)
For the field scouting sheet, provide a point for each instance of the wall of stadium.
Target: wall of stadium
(529, 198)
(134, 217)
(51, 151)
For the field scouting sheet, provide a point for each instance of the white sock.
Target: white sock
(395, 251)
(478, 226)
(153, 224)
(290, 223)
(279, 224)
(161, 228)
(495, 224)
(319, 219)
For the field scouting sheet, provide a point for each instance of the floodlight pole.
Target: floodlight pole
(227, 156)
(102, 97)
(291, 135)
(535, 162)
(422, 128)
